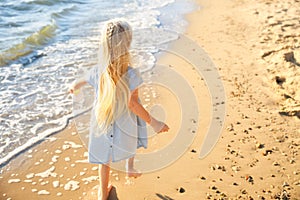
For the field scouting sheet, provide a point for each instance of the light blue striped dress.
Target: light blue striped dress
(125, 135)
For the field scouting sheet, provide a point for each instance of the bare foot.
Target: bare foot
(134, 173)
(106, 195)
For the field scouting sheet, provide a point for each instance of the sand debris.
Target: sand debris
(90, 179)
(73, 144)
(14, 180)
(29, 176)
(81, 161)
(47, 173)
(59, 194)
(54, 158)
(72, 185)
(55, 184)
(82, 173)
(65, 147)
(58, 151)
(43, 192)
(67, 159)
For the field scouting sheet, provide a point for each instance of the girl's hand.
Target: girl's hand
(76, 85)
(158, 126)
(72, 88)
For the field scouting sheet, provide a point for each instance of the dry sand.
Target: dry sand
(257, 156)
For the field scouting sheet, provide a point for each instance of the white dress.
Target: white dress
(125, 135)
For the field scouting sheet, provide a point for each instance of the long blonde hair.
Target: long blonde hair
(113, 89)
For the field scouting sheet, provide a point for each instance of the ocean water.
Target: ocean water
(44, 44)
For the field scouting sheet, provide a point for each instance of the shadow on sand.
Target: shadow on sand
(113, 194)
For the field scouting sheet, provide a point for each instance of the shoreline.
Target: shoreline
(254, 134)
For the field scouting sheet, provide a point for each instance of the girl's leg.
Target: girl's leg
(131, 172)
(104, 179)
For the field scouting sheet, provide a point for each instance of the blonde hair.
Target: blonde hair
(113, 92)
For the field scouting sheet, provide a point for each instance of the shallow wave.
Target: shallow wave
(63, 12)
(33, 42)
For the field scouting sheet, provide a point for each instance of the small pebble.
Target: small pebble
(285, 184)
(266, 152)
(193, 151)
(230, 128)
(259, 145)
(213, 187)
(243, 191)
(297, 183)
(181, 190)
(275, 148)
(235, 168)
(249, 179)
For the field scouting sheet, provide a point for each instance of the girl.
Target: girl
(118, 119)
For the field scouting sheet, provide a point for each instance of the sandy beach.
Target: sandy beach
(255, 46)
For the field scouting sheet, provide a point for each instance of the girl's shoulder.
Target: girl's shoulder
(133, 72)
(134, 77)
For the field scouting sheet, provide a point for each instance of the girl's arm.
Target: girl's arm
(140, 111)
(76, 85)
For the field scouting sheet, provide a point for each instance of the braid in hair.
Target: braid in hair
(109, 35)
